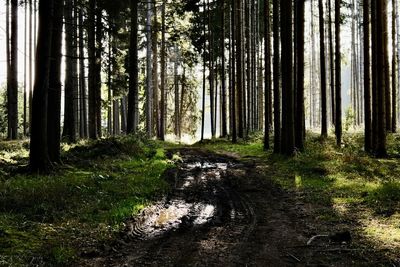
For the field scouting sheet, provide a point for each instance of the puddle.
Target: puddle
(192, 203)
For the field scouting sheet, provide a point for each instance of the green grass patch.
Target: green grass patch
(47, 218)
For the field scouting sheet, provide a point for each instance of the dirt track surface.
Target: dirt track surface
(223, 211)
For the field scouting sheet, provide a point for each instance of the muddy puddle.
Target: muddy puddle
(195, 201)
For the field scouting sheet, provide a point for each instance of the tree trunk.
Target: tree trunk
(149, 79)
(39, 159)
(300, 114)
(98, 63)
(69, 132)
(288, 143)
(338, 76)
(156, 110)
(267, 60)
(12, 92)
(332, 63)
(324, 122)
(394, 67)
(163, 81)
(92, 69)
(54, 93)
(82, 80)
(381, 85)
(367, 86)
(277, 78)
(224, 130)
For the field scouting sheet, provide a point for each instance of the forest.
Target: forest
(199, 133)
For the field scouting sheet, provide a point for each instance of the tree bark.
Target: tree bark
(324, 122)
(39, 159)
(338, 76)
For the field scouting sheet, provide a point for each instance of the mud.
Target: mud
(224, 211)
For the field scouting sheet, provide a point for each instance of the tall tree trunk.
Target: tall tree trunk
(239, 68)
(92, 69)
(338, 76)
(332, 63)
(154, 45)
(176, 91)
(163, 81)
(133, 97)
(30, 68)
(203, 109)
(25, 69)
(394, 67)
(82, 80)
(381, 7)
(388, 99)
(288, 143)
(98, 63)
(234, 70)
(277, 78)
(39, 159)
(54, 93)
(267, 86)
(324, 122)
(149, 79)
(300, 114)
(12, 92)
(224, 130)
(69, 132)
(367, 86)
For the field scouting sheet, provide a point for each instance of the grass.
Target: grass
(346, 183)
(48, 219)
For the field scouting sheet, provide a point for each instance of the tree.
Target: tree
(149, 79)
(39, 159)
(367, 86)
(338, 76)
(163, 91)
(12, 89)
(267, 86)
(276, 72)
(133, 97)
(54, 92)
(69, 132)
(324, 122)
(91, 31)
(288, 142)
(300, 114)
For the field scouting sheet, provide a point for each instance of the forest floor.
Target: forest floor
(220, 205)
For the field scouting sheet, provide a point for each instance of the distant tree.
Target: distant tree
(367, 80)
(338, 75)
(288, 134)
(133, 98)
(324, 111)
(277, 76)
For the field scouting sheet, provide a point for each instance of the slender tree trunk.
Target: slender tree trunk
(203, 109)
(82, 80)
(338, 76)
(300, 114)
(324, 122)
(381, 80)
(98, 63)
(394, 67)
(277, 78)
(267, 86)
(224, 131)
(163, 91)
(332, 63)
(133, 97)
(39, 159)
(239, 68)
(367, 86)
(69, 132)
(149, 79)
(288, 143)
(30, 44)
(54, 93)
(25, 69)
(387, 99)
(234, 89)
(154, 45)
(12, 92)
(176, 91)
(92, 69)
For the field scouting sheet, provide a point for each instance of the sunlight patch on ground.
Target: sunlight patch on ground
(386, 232)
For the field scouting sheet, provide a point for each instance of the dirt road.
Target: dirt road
(223, 211)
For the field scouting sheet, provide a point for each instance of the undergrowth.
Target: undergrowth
(346, 183)
(49, 219)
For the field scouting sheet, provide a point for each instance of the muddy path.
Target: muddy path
(222, 211)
